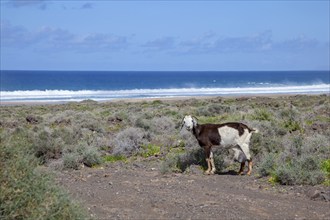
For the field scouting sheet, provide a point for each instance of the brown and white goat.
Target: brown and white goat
(233, 134)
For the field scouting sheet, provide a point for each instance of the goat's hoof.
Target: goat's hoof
(207, 172)
(248, 173)
(212, 172)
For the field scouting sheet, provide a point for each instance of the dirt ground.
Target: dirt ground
(138, 190)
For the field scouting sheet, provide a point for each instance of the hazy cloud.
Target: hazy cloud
(160, 44)
(87, 6)
(211, 43)
(41, 4)
(61, 40)
(57, 39)
(297, 44)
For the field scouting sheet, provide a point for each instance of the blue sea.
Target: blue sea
(62, 86)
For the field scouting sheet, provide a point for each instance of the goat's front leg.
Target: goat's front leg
(212, 163)
(209, 160)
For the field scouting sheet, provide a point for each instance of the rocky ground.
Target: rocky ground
(137, 190)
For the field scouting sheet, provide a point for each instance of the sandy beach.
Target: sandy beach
(166, 99)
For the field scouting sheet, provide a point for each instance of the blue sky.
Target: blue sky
(164, 35)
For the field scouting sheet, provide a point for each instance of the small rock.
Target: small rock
(319, 195)
(31, 119)
(315, 194)
(326, 196)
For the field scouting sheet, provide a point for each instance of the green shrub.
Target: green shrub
(149, 150)
(89, 121)
(292, 125)
(267, 165)
(170, 164)
(114, 158)
(325, 167)
(142, 123)
(79, 154)
(26, 191)
(301, 170)
(72, 160)
(91, 157)
(262, 115)
(212, 109)
(46, 146)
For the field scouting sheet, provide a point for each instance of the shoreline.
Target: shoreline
(151, 99)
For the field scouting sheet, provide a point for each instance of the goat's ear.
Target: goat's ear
(195, 120)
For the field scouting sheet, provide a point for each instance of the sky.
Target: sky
(164, 35)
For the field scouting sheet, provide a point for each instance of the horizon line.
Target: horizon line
(61, 70)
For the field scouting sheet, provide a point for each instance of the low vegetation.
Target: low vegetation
(291, 148)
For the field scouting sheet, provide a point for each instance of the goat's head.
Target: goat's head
(189, 122)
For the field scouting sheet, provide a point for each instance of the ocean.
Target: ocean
(63, 86)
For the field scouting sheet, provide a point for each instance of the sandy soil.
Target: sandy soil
(129, 100)
(137, 190)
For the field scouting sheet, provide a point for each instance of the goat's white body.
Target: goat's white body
(231, 138)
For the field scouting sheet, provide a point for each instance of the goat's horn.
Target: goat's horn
(182, 124)
(195, 118)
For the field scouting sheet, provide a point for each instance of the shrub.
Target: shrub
(114, 158)
(46, 147)
(317, 145)
(162, 125)
(91, 157)
(150, 150)
(72, 160)
(170, 164)
(292, 125)
(142, 123)
(301, 170)
(285, 175)
(196, 156)
(26, 191)
(89, 121)
(128, 141)
(188, 140)
(267, 165)
(212, 110)
(79, 154)
(325, 166)
(262, 115)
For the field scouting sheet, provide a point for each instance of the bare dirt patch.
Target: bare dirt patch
(138, 190)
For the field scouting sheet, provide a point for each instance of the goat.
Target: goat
(232, 134)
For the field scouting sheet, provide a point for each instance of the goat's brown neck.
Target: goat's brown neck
(196, 130)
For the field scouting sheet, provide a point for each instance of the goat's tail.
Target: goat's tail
(255, 130)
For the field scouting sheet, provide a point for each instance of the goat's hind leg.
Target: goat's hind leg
(241, 170)
(208, 160)
(246, 151)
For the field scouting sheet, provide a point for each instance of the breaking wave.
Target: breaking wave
(102, 95)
